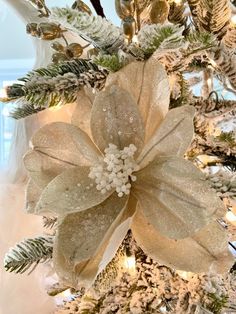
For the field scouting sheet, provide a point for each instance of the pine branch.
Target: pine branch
(225, 64)
(24, 111)
(112, 62)
(76, 66)
(218, 303)
(28, 254)
(201, 40)
(160, 38)
(184, 96)
(95, 29)
(49, 222)
(55, 85)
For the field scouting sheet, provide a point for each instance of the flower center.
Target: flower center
(115, 171)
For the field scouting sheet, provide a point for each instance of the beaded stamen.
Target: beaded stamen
(116, 170)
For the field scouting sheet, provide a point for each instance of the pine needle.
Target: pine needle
(28, 254)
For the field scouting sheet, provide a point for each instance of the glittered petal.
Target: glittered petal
(71, 191)
(172, 138)
(82, 112)
(205, 251)
(33, 193)
(82, 234)
(116, 119)
(43, 168)
(110, 246)
(148, 83)
(175, 197)
(57, 147)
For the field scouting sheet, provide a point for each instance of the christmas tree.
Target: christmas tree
(137, 193)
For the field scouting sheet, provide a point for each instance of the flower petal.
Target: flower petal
(33, 193)
(80, 236)
(173, 137)
(207, 250)
(116, 119)
(148, 83)
(82, 112)
(43, 168)
(58, 146)
(109, 248)
(175, 197)
(71, 191)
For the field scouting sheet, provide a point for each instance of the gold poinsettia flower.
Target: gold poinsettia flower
(131, 174)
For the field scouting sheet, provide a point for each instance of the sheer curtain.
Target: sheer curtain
(23, 294)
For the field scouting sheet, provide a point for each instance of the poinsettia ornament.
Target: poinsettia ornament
(130, 174)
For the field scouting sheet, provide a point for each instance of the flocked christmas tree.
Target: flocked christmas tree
(136, 226)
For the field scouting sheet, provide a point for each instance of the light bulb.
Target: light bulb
(66, 293)
(231, 217)
(233, 20)
(177, 2)
(184, 274)
(135, 39)
(130, 264)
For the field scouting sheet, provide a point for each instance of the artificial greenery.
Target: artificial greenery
(95, 29)
(28, 254)
(200, 41)
(167, 37)
(112, 62)
(54, 85)
(218, 303)
(24, 110)
(227, 137)
(49, 222)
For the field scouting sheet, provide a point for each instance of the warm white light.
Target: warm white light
(184, 274)
(178, 1)
(163, 309)
(130, 264)
(214, 64)
(135, 39)
(233, 20)
(231, 217)
(66, 293)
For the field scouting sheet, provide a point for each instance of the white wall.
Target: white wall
(15, 43)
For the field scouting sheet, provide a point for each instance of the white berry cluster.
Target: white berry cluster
(115, 171)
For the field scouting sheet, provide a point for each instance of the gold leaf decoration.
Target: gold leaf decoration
(213, 16)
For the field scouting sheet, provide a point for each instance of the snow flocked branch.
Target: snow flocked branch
(56, 84)
(95, 29)
(28, 254)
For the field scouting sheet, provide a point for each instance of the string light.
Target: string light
(130, 262)
(178, 2)
(135, 39)
(187, 275)
(66, 295)
(231, 217)
(233, 20)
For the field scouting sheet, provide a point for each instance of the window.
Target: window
(10, 70)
